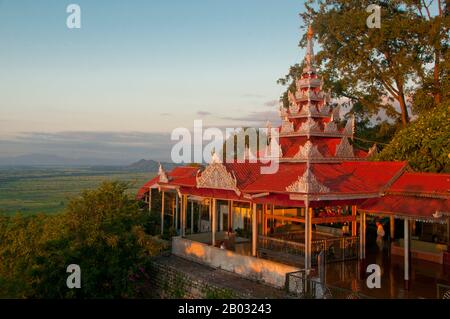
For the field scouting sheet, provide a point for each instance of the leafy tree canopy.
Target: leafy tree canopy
(425, 143)
(380, 69)
(102, 230)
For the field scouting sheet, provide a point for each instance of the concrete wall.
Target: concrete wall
(266, 271)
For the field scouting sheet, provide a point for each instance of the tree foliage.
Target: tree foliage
(425, 143)
(379, 69)
(102, 230)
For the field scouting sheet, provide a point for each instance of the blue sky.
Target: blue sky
(139, 66)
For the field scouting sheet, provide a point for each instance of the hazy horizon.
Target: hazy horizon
(136, 70)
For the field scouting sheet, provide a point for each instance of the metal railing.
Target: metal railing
(281, 245)
(335, 249)
(443, 291)
(302, 286)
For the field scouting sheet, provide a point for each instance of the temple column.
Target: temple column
(254, 230)
(192, 217)
(162, 212)
(362, 236)
(355, 222)
(392, 227)
(406, 252)
(200, 211)
(176, 212)
(149, 199)
(213, 222)
(308, 217)
(230, 215)
(448, 233)
(183, 215)
(264, 220)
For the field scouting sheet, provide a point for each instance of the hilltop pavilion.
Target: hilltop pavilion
(320, 199)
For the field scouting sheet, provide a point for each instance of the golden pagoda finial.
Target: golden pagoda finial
(310, 32)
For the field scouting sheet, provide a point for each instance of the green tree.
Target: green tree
(102, 230)
(425, 143)
(377, 68)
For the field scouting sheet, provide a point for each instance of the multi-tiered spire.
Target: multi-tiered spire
(309, 129)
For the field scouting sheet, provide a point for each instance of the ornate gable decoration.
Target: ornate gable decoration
(276, 148)
(308, 151)
(372, 151)
(307, 183)
(309, 126)
(287, 126)
(331, 127)
(162, 175)
(344, 149)
(325, 110)
(309, 109)
(336, 113)
(216, 176)
(282, 111)
(293, 107)
(350, 127)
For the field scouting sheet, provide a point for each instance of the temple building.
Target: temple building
(317, 206)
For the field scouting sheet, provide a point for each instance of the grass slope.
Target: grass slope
(47, 190)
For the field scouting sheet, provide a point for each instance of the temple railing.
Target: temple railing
(335, 249)
(303, 286)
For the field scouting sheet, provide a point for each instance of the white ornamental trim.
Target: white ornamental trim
(216, 176)
(331, 127)
(372, 151)
(344, 149)
(308, 151)
(307, 183)
(309, 126)
(287, 126)
(162, 175)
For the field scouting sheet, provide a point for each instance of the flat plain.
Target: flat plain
(31, 190)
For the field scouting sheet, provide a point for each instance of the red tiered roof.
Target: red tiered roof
(320, 172)
(414, 195)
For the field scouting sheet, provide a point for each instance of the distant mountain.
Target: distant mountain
(148, 166)
(41, 160)
(55, 160)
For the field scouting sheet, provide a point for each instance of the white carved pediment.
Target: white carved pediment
(273, 150)
(350, 126)
(331, 127)
(309, 109)
(372, 151)
(308, 151)
(216, 176)
(309, 126)
(282, 111)
(325, 109)
(162, 175)
(335, 116)
(307, 183)
(294, 108)
(287, 126)
(344, 149)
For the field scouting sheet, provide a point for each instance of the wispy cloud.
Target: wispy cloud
(255, 117)
(121, 146)
(271, 103)
(203, 113)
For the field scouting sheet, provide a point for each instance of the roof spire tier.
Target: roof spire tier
(309, 58)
